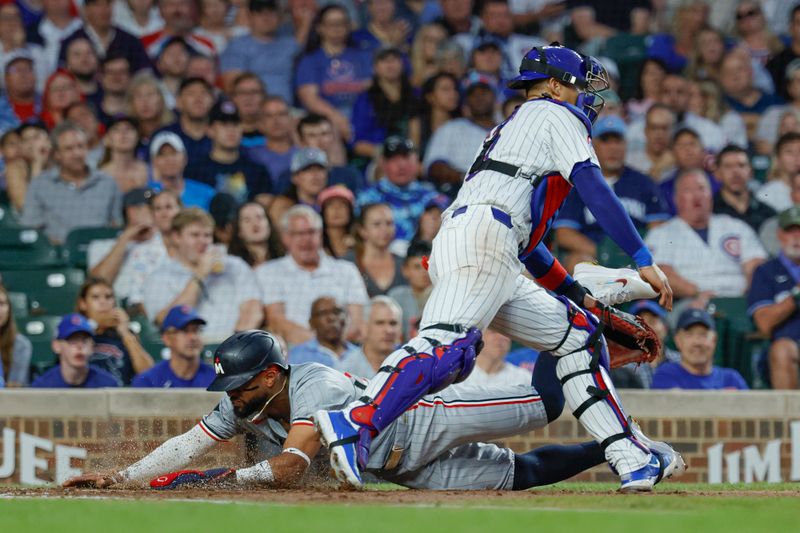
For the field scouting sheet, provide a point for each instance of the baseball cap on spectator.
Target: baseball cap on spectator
(262, 5)
(648, 306)
(690, 317)
(336, 191)
(163, 139)
(308, 157)
(475, 79)
(440, 202)
(397, 145)
(789, 217)
(386, 51)
(188, 82)
(138, 196)
(71, 324)
(17, 55)
(222, 209)
(181, 316)
(224, 111)
(608, 125)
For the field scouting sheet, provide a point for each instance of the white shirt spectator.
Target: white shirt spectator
(283, 281)
(141, 259)
(456, 143)
(776, 194)
(122, 17)
(714, 265)
(223, 293)
(711, 135)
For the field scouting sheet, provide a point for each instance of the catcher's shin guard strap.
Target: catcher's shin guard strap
(595, 395)
(452, 328)
(575, 375)
(614, 438)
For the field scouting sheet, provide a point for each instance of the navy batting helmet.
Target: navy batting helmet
(242, 356)
(567, 66)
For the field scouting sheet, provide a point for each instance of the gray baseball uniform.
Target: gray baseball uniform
(433, 445)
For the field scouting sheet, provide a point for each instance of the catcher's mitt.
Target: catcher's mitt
(629, 338)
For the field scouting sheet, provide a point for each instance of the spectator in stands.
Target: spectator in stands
(776, 192)
(774, 303)
(701, 252)
(263, 51)
(35, 151)
(252, 237)
(305, 274)
(383, 28)
(13, 41)
(387, 107)
(316, 131)
(423, 53)
(757, 40)
(706, 56)
(225, 167)
(20, 86)
(73, 345)
(439, 104)
(328, 347)
(199, 275)
(117, 350)
(778, 65)
(768, 232)
(146, 105)
(705, 100)
(194, 103)
(656, 317)
(168, 159)
(331, 73)
(652, 157)
(277, 148)
(57, 23)
(114, 78)
(82, 62)
(248, 94)
(337, 207)
(696, 339)
(380, 268)
(457, 17)
(309, 177)
(138, 17)
(648, 90)
(734, 197)
(451, 150)
(82, 113)
(769, 122)
(213, 15)
(108, 259)
(382, 333)
(119, 159)
(399, 187)
(576, 228)
(15, 348)
(61, 90)
(450, 58)
(412, 296)
(430, 221)
(171, 65)
(491, 368)
(182, 333)
(687, 153)
(179, 20)
(71, 195)
(223, 210)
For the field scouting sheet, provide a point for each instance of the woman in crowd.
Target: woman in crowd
(751, 26)
(117, 350)
(431, 219)
(705, 100)
(423, 52)
(332, 72)
(439, 104)
(15, 348)
(35, 151)
(706, 57)
(386, 108)
(253, 239)
(119, 160)
(383, 28)
(337, 204)
(380, 268)
(651, 76)
(147, 106)
(60, 91)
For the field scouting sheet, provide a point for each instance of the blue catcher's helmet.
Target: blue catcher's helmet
(567, 66)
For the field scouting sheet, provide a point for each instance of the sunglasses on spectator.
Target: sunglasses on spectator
(747, 14)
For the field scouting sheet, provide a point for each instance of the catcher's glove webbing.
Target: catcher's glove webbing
(630, 339)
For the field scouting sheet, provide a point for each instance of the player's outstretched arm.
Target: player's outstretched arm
(287, 468)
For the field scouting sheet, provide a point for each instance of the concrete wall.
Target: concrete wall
(48, 435)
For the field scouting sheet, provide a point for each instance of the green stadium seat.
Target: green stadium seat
(156, 349)
(628, 52)
(734, 332)
(50, 292)
(7, 217)
(40, 331)
(77, 243)
(19, 304)
(27, 248)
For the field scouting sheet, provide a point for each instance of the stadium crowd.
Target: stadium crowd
(219, 165)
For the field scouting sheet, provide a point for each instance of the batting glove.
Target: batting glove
(193, 478)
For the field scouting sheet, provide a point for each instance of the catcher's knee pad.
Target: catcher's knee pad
(546, 383)
(418, 374)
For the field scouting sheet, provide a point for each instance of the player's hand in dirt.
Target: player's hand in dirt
(89, 481)
(658, 280)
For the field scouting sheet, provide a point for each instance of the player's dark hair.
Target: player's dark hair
(785, 139)
(729, 149)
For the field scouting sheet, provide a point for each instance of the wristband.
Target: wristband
(643, 257)
(300, 453)
(259, 473)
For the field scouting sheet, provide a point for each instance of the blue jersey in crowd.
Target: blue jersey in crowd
(340, 79)
(195, 194)
(771, 284)
(161, 376)
(637, 193)
(243, 179)
(313, 352)
(96, 379)
(195, 148)
(674, 376)
(407, 203)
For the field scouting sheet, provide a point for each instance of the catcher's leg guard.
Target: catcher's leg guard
(412, 372)
(590, 394)
(546, 383)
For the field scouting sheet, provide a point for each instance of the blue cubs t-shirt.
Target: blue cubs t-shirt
(161, 376)
(243, 179)
(340, 78)
(772, 283)
(674, 376)
(638, 194)
(96, 379)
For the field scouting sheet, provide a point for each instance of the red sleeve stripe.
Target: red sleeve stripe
(554, 277)
(210, 433)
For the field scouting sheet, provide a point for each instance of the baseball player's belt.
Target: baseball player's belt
(498, 166)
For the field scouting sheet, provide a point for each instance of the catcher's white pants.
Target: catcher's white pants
(477, 281)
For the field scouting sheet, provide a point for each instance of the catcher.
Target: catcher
(433, 445)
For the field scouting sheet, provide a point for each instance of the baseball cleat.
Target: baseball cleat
(341, 437)
(643, 479)
(672, 463)
(613, 286)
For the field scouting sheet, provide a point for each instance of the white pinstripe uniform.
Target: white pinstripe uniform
(433, 445)
(477, 276)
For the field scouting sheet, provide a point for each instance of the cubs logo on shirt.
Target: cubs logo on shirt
(732, 245)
